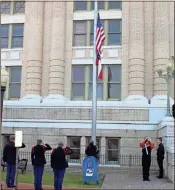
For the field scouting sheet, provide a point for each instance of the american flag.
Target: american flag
(100, 37)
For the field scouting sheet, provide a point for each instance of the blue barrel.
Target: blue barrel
(90, 170)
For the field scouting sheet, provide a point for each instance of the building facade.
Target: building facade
(48, 49)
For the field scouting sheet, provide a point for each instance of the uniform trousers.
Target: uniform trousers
(146, 163)
(38, 174)
(160, 164)
(10, 176)
(58, 178)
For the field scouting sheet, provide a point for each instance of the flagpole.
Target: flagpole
(94, 95)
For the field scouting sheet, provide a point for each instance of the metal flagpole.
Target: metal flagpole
(94, 95)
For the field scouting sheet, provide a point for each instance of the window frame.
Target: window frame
(87, 83)
(7, 37)
(89, 32)
(115, 9)
(69, 144)
(83, 98)
(7, 93)
(108, 33)
(5, 9)
(89, 6)
(81, 34)
(18, 36)
(76, 10)
(12, 7)
(117, 150)
(111, 99)
(10, 36)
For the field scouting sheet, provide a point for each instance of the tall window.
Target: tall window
(113, 146)
(84, 32)
(80, 29)
(15, 82)
(74, 144)
(114, 82)
(12, 7)
(114, 32)
(4, 29)
(17, 35)
(12, 35)
(78, 82)
(107, 89)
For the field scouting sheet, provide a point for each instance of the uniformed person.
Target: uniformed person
(59, 164)
(38, 162)
(160, 156)
(9, 156)
(147, 147)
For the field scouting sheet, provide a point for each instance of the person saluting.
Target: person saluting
(147, 147)
(38, 162)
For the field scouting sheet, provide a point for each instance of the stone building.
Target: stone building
(47, 48)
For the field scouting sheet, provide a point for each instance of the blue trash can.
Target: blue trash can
(90, 170)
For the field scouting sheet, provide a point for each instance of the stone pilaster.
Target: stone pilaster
(171, 38)
(34, 23)
(136, 49)
(161, 44)
(68, 49)
(82, 148)
(125, 48)
(46, 48)
(166, 130)
(57, 55)
(148, 50)
(103, 153)
(171, 27)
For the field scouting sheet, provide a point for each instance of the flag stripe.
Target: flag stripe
(100, 37)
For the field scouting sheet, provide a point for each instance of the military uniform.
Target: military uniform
(38, 162)
(9, 156)
(147, 147)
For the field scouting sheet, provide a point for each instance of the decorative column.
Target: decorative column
(57, 55)
(161, 45)
(68, 49)
(35, 22)
(136, 53)
(46, 48)
(148, 50)
(125, 48)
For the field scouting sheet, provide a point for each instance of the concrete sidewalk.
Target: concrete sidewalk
(133, 180)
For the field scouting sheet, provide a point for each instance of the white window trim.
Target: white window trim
(90, 61)
(13, 19)
(104, 15)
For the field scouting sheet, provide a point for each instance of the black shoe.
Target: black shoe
(144, 180)
(159, 177)
(148, 179)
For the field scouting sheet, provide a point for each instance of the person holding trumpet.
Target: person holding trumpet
(147, 147)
